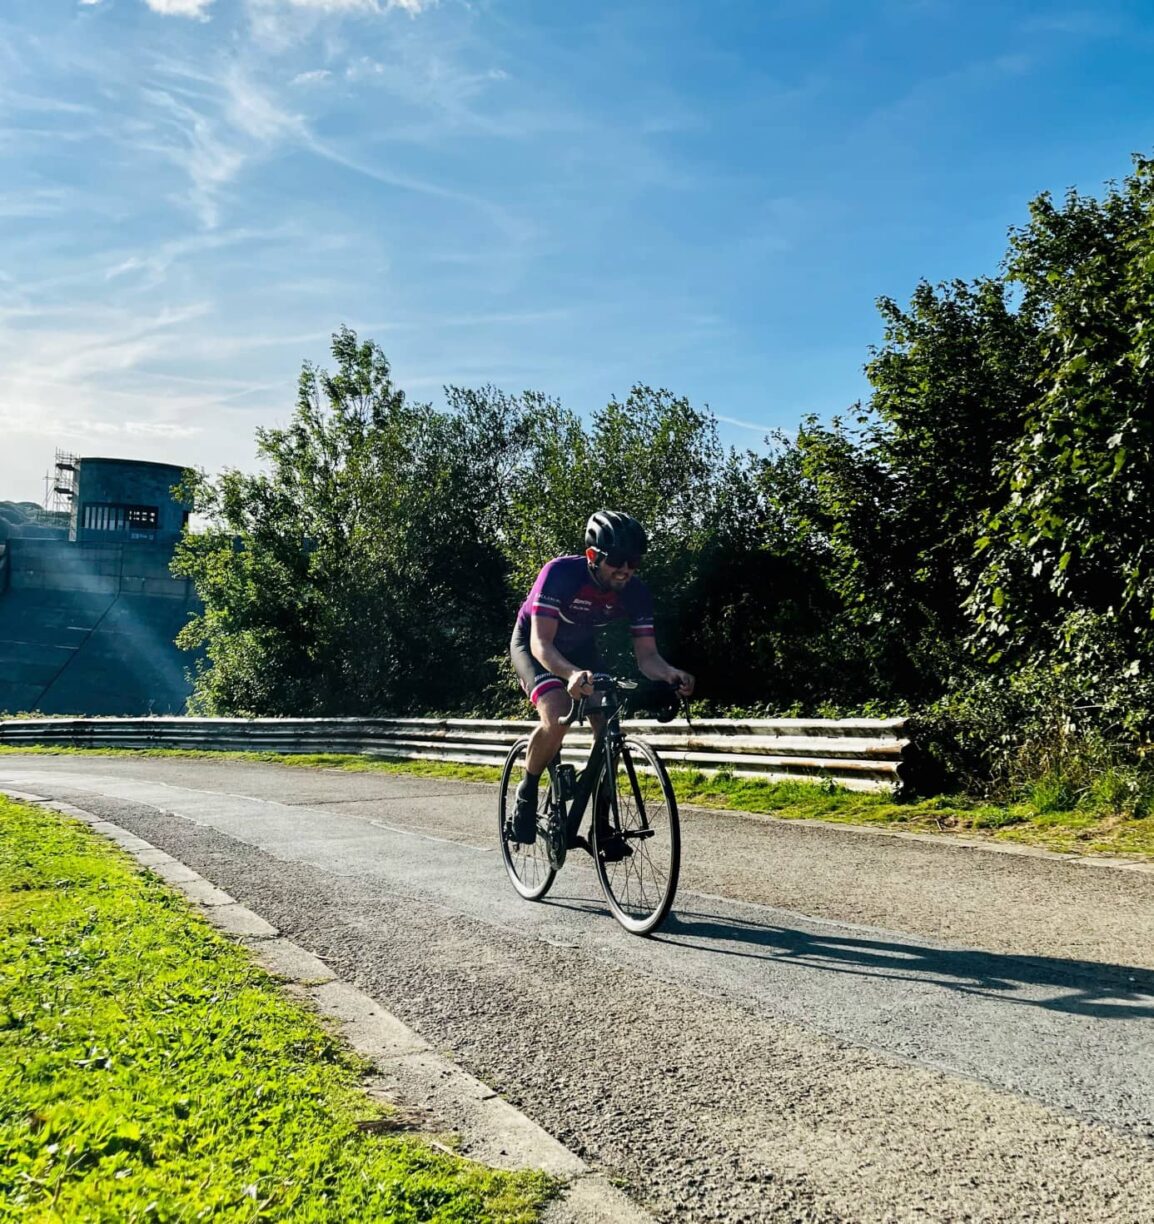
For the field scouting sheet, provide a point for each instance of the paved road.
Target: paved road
(836, 1025)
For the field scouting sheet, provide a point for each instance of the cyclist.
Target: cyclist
(554, 646)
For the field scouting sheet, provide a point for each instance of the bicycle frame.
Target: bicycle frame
(605, 748)
(625, 781)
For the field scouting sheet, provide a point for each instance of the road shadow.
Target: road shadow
(1084, 988)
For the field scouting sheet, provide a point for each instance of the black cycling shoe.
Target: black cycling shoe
(525, 815)
(614, 849)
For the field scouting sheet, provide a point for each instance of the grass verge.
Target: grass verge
(150, 1071)
(1075, 831)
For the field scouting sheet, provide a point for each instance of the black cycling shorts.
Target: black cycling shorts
(535, 677)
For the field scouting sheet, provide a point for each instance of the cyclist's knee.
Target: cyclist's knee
(551, 708)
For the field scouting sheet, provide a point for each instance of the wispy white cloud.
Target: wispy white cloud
(86, 346)
(123, 429)
(181, 8)
(1079, 23)
(38, 202)
(256, 112)
(155, 262)
(503, 219)
(194, 143)
(372, 6)
(98, 377)
(212, 126)
(212, 130)
(14, 102)
(280, 24)
(737, 421)
(928, 97)
(315, 77)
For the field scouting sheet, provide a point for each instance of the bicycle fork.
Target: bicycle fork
(643, 831)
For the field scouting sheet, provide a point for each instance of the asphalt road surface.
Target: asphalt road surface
(834, 1026)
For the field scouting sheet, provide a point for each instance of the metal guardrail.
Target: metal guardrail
(857, 753)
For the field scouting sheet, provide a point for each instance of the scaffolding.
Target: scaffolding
(59, 490)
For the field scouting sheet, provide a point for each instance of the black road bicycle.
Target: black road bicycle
(634, 835)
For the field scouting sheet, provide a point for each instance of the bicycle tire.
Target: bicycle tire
(642, 809)
(528, 866)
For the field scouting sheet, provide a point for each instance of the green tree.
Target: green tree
(1072, 539)
(952, 386)
(772, 629)
(360, 573)
(658, 457)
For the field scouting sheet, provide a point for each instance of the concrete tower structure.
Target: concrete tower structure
(87, 623)
(118, 500)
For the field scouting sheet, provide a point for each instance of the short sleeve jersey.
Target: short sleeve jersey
(565, 592)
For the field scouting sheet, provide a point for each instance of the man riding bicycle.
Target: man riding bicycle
(554, 646)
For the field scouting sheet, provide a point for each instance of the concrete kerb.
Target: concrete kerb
(406, 1067)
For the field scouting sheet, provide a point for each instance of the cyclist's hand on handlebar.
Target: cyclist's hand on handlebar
(580, 685)
(682, 681)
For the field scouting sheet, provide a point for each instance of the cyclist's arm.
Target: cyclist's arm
(542, 631)
(654, 667)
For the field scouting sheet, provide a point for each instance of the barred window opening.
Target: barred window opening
(108, 516)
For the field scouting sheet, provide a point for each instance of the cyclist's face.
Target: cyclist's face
(616, 577)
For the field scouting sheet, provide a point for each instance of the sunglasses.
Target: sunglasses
(619, 560)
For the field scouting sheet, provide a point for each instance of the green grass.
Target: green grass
(149, 1071)
(1071, 830)
(349, 762)
(1043, 819)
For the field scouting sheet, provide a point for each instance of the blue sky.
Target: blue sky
(567, 197)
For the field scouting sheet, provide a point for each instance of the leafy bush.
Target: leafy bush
(1063, 733)
(1122, 792)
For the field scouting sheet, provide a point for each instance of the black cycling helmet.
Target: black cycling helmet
(615, 534)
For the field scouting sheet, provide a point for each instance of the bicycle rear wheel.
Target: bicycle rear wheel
(636, 811)
(528, 866)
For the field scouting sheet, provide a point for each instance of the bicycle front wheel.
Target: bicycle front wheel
(528, 865)
(637, 838)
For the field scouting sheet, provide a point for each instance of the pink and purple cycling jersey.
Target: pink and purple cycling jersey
(565, 592)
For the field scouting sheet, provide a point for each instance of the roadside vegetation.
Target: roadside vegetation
(969, 546)
(149, 1071)
(1098, 823)
(1113, 813)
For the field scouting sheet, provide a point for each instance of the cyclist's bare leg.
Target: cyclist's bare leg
(545, 742)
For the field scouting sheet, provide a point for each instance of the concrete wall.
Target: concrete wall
(128, 567)
(88, 629)
(127, 482)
